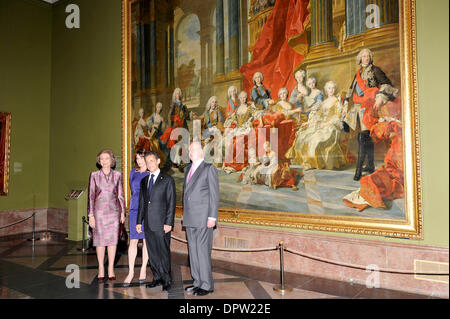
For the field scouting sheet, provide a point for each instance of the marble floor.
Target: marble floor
(43, 271)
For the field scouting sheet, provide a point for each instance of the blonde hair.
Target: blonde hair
(302, 72)
(174, 95)
(110, 153)
(328, 84)
(282, 90)
(243, 93)
(311, 79)
(359, 56)
(230, 89)
(258, 74)
(208, 104)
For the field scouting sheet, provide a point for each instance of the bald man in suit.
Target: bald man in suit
(200, 211)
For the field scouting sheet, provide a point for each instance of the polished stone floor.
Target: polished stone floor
(39, 272)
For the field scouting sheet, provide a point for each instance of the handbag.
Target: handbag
(123, 238)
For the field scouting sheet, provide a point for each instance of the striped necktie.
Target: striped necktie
(191, 171)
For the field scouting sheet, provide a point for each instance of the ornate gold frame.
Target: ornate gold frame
(410, 227)
(6, 146)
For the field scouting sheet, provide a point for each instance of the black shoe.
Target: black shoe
(202, 292)
(154, 283)
(190, 288)
(166, 287)
(357, 176)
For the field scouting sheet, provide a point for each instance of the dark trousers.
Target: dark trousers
(158, 247)
(200, 245)
(366, 147)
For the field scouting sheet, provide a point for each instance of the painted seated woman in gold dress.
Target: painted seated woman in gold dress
(268, 170)
(318, 141)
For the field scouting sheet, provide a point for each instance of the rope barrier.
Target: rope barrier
(18, 222)
(230, 249)
(392, 271)
(324, 260)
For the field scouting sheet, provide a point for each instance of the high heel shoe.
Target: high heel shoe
(100, 279)
(112, 278)
(141, 281)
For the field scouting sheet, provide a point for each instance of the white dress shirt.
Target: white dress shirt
(155, 176)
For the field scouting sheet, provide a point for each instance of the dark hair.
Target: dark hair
(141, 152)
(149, 153)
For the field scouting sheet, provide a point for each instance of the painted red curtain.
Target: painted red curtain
(272, 55)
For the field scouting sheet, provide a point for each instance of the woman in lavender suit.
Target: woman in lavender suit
(106, 209)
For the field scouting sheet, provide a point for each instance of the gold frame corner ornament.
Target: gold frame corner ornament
(411, 227)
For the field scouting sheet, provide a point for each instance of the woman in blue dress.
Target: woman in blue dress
(136, 174)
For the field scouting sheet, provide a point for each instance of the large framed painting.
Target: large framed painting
(5, 140)
(308, 108)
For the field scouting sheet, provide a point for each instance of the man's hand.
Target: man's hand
(139, 228)
(167, 228)
(378, 104)
(211, 223)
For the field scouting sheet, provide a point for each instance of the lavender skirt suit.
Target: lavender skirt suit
(106, 202)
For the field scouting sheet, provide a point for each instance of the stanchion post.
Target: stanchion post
(33, 233)
(83, 247)
(282, 288)
(83, 240)
(34, 227)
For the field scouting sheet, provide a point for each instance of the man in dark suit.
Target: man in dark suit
(200, 211)
(157, 210)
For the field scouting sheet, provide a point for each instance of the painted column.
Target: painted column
(139, 56)
(244, 33)
(143, 46)
(220, 39)
(387, 9)
(171, 56)
(152, 27)
(210, 60)
(233, 32)
(355, 15)
(166, 57)
(321, 21)
(203, 77)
